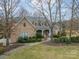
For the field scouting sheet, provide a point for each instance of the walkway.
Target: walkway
(26, 45)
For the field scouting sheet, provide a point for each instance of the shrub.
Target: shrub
(56, 40)
(34, 39)
(63, 34)
(56, 36)
(39, 36)
(31, 39)
(75, 39)
(59, 35)
(62, 39)
(25, 39)
(2, 50)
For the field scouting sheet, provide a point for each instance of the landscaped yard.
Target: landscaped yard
(43, 51)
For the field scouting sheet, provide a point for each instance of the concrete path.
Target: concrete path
(2, 57)
(14, 50)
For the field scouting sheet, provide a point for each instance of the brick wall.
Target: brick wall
(23, 26)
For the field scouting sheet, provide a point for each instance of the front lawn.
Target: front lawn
(43, 51)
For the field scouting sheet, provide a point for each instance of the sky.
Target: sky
(26, 6)
(24, 3)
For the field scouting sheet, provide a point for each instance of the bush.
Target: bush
(59, 35)
(25, 39)
(2, 50)
(39, 36)
(56, 40)
(63, 34)
(62, 39)
(31, 39)
(75, 39)
(34, 39)
(28, 40)
(56, 36)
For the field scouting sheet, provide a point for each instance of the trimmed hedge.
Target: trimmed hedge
(75, 39)
(62, 40)
(67, 40)
(34, 39)
(37, 38)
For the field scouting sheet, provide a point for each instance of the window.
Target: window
(24, 24)
(23, 34)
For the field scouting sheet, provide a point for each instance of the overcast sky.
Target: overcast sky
(31, 10)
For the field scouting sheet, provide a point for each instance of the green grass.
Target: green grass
(46, 52)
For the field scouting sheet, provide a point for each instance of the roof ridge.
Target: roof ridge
(23, 19)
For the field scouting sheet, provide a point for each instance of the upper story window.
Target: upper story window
(35, 24)
(24, 24)
(39, 24)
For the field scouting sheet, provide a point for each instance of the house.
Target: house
(22, 27)
(29, 26)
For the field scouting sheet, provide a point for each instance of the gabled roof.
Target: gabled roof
(23, 18)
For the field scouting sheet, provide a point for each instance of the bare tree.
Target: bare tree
(74, 14)
(23, 12)
(58, 15)
(8, 8)
(46, 8)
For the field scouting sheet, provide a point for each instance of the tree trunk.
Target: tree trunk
(7, 41)
(52, 34)
(7, 33)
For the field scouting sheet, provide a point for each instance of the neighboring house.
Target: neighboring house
(1, 30)
(56, 29)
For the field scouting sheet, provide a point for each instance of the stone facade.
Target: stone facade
(22, 26)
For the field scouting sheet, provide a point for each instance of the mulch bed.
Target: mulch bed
(13, 46)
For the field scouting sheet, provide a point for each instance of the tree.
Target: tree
(46, 8)
(74, 14)
(8, 8)
(23, 12)
(58, 15)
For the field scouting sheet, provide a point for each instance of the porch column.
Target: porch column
(42, 32)
(49, 32)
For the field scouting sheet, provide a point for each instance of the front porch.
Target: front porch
(45, 33)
